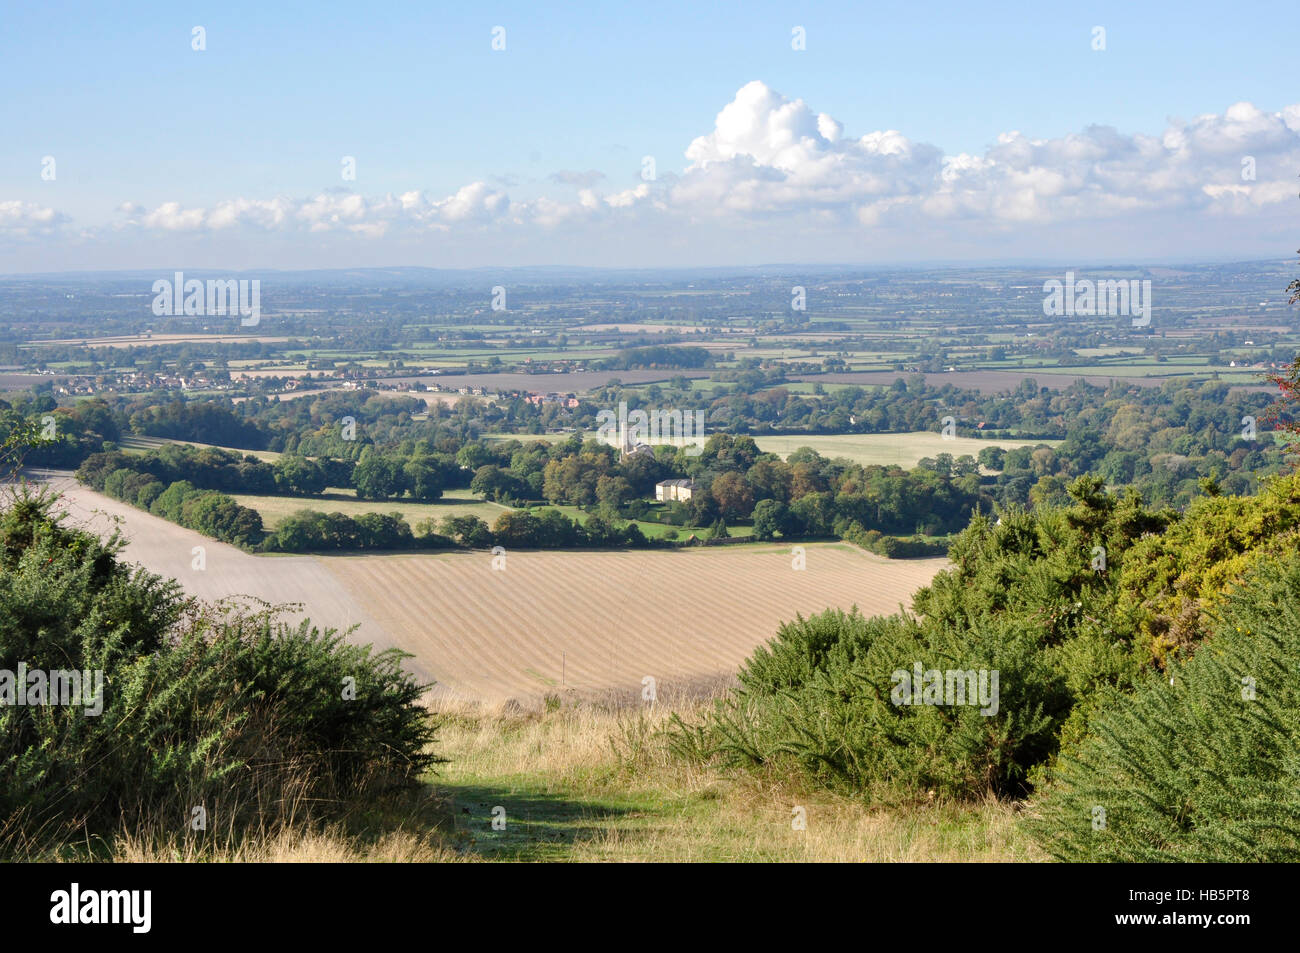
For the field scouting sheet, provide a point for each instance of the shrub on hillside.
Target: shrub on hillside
(1172, 579)
(1202, 762)
(1037, 596)
(823, 697)
(231, 711)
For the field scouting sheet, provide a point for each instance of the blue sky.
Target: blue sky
(135, 118)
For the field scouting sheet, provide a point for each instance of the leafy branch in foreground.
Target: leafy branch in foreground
(1202, 763)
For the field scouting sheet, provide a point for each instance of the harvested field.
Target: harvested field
(902, 449)
(591, 623)
(600, 622)
(168, 550)
(136, 443)
(20, 382)
(454, 503)
(884, 449)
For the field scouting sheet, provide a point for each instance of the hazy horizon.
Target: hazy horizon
(722, 270)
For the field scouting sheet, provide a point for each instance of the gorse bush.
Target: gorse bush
(225, 709)
(823, 697)
(1201, 763)
(1022, 600)
(1069, 605)
(1174, 578)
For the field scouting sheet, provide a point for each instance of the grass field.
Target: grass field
(656, 530)
(453, 503)
(659, 530)
(903, 449)
(586, 784)
(134, 443)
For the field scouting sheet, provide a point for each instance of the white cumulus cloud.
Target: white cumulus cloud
(24, 219)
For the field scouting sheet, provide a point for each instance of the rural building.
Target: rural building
(632, 448)
(567, 400)
(674, 490)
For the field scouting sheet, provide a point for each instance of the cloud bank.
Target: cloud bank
(773, 163)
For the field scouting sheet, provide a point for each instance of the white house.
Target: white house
(674, 490)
